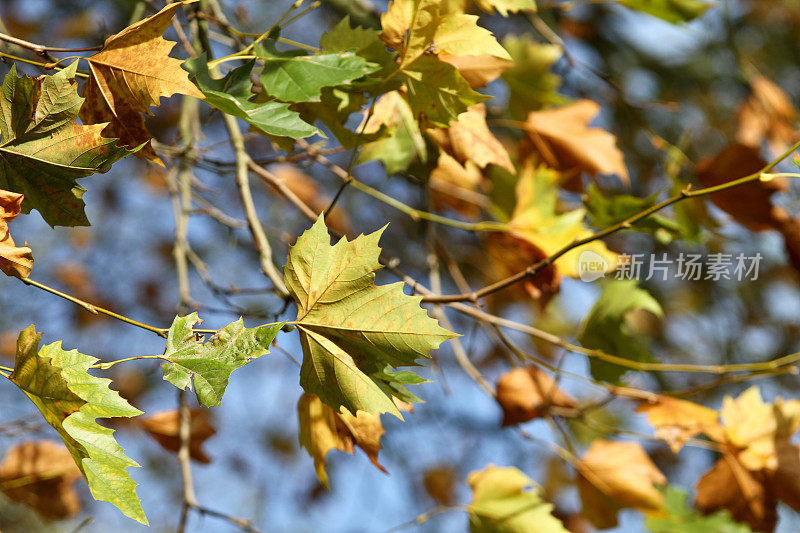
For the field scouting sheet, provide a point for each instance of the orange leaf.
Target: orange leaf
(478, 70)
(131, 73)
(768, 114)
(615, 475)
(41, 475)
(164, 427)
(15, 260)
(564, 141)
(527, 393)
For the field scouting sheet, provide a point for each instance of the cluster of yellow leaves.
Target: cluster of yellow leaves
(528, 393)
(164, 427)
(14, 260)
(322, 429)
(759, 465)
(129, 74)
(41, 474)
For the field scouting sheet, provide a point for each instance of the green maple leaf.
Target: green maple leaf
(531, 85)
(232, 94)
(70, 399)
(673, 11)
(296, 77)
(403, 143)
(605, 328)
(43, 150)
(437, 90)
(504, 501)
(363, 42)
(210, 365)
(350, 329)
(677, 516)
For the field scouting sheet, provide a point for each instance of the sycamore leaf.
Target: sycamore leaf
(605, 211)
(132, 72)
(605, 327)
(478, 70)
(322, 429)
(403, 145)
(71, 399)
(364, 42)
(729, 485)
(459, 35)
(677, 421)
(44, 150)
(536, 221)
(350, 329)
(291, 77)
(677, 516)
(528, 393)
(208, 366)
(164, 427)
(15, 260)
(616, 475)
(673, 11)
(504, 500)
(41, 474)
(563, 139)
(437, 91)
(232, 93)
(748, 204)
(469, 139)
(758, 428)
(768, 113)
(530, 83)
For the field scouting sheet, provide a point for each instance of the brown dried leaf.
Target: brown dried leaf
(41, 475)
(15, 260)
(322, 429)
(511, 254)
(767, 113)
(564, 141)
(616, 475)
(131, 73)
(677, 421)
(527, 393)
(747, 204)
(729, 485)
(164, 427)
(469, 139)
(440, 484)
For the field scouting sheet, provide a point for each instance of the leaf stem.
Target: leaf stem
(109, 364)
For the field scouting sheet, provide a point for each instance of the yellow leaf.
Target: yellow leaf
(15, 260)
(757, 427)
(535, 220)
(469, 139)
(564, 141)
(677, 421)
(322, 429)
(131, 73)
(616, 475)
(478, 70)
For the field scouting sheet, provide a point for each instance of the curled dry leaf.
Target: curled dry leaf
(528, 393)
(131, 73)
(677, 421)
(15, 260)
(747, 204)
(616, 475)
(767, 114)
(41, 474)
(563, 140)
(164, 427)
(322, 429)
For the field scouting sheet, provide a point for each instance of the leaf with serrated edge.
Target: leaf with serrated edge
(210, 365)
(71, 399)
(350, 328)
(44, 150)
(132, 72)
